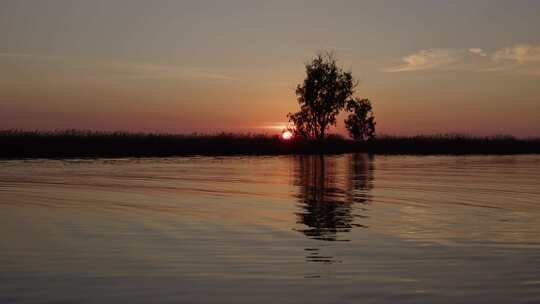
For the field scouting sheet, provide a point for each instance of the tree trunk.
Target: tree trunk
(320, 134)
(321, 131)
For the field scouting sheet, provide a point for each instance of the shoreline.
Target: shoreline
(88, 144)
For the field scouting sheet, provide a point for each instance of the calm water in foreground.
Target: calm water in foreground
(290, 229)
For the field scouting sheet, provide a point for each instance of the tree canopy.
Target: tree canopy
(360, 123)
(323, 94)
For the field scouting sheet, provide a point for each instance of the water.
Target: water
(290, 229)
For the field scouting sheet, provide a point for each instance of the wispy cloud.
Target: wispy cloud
(428, 59)
(132, 70)
(522, 53)
(523, 59)
(478, 51)
(273, 126)
(16, 55)
(334, 48)
(157, 71)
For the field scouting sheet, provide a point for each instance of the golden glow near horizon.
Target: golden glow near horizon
(286, 135)
(233, 66)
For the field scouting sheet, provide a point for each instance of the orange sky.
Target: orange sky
(202, 66)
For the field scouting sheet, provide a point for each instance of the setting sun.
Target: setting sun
(286, 135)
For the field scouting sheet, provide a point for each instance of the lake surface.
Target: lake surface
(288, 229)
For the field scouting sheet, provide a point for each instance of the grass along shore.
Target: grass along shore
(91, 144)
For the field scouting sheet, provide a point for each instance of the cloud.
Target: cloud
(522, 53)
(522, 59)
(427, 60)
(16, 55)
(334, 48)
(133, 70)
(155, 71)
(273, 126)
(478, 51)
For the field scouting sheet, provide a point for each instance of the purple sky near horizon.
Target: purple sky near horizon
(469, 67)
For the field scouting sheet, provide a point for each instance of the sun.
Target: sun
(286, 135)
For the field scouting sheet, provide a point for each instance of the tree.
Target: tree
(361, 122)
(323, 94)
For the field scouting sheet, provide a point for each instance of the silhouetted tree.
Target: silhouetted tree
(360, 123)
(323, 94)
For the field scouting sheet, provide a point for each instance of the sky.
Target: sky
(468, 67)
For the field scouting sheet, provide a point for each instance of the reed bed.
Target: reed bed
(91, 144)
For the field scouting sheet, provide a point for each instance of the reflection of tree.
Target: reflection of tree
(360, 177)
(326, 194)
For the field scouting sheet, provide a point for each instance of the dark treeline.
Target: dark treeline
(75, 144)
